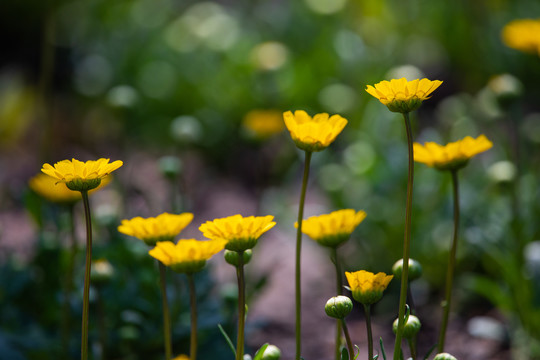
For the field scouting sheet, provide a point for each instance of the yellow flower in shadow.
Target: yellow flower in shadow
(366, 287)
(522, 35)
(262, 124)
(313, 134)
(81, 176)
(164, 227)
(332, 229)
(403, 96)
(50, 189)
(188, 255)
(241, 233)
(452, 156)
(181, 357)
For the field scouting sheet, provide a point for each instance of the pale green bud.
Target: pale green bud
(338, 307)
(444, 356)
(410, 329)
(271, 352)
(232, 257)
(415, 269)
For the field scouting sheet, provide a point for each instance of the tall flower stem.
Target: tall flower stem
(451, 263)
(298, 297)
(406, 242)
(367, 310)
(193, 303)
(241, 306)
(348, 339)
(86, 293)
(166, 314)
(339, 291)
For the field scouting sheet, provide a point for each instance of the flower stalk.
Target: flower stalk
(193, 303)
(407, 240)
(451, 264)
(298, 294)
(86, 293)
(348, 340)
(241, 306)
(339, 291)
(367, 310)
(166, 314)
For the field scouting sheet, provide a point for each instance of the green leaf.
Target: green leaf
(430, 351)
(358, 353)
(344, 354)
(259, 354)
(382, 348)
(227, 339)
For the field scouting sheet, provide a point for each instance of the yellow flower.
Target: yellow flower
(187, 256)
(241, 233)
(151, 230)
(401, 95)
(523, 35)
(81, 176)
(263, 123)
(50, 189)
(332, 229)
(366, 287)
(313, 134)
(452, 156)
(181, 357)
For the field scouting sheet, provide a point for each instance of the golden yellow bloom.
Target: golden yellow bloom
(313, 134)
(241, 233)
(403, 96)
(452, 156)
(164, 227)
(263, 123)
(332, 229)
(187, 256)
(523, 35)
(50, 189)
(81, 176)
(181, 357)
(366, 287)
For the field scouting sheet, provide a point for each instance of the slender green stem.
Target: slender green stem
(241, 306)
(68, 283)
(86, 294)
(166, 314)
(298, 297)
(451, 264)
(348, 339)
(406, 242)
(412, 346)
(193, 302)
(367, 310)
(339, 291)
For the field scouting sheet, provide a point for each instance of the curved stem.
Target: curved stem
(166, 314)
(407, 240)
(298, 296)
(348, 339)
(339, 291)
(451, 264)
(86, 293)
(193, 302)
(367, 310)
(241, 306)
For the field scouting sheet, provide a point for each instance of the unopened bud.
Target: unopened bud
(271, 352)
(444, 356)
(410, 329)
(415, 269)
(338, 307)
(232, 257)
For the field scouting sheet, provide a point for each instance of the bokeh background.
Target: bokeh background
(177, 90)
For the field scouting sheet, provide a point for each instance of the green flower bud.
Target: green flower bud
(271, 352)
(415, 269)
(410, 329)
(170, 166)
(338, 307)
(444, 356)
(232, 257)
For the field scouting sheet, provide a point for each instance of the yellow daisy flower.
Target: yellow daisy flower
(151, 230)
(332, 229)
(263, 123)
(403, 96)
(366, 287)
(187, 256)
(49, 188)
(313, 134)
(452, 156)
(181, 357)
(81, 176)
(241, 233)
(523, 35)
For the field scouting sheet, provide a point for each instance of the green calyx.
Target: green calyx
(83, 185)
(368, 297)
(241, 244)
(404, 106)
(188, 267)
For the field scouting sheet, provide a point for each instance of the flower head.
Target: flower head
(403, 96)
(181, 357)
(241, 233)
(452, 156)
(523, 35)
(50, 189)
(164, 227)
(366, 287)
(187, 256)
(313, 134)
(263, 123)
(332, 229)
(81, 176)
